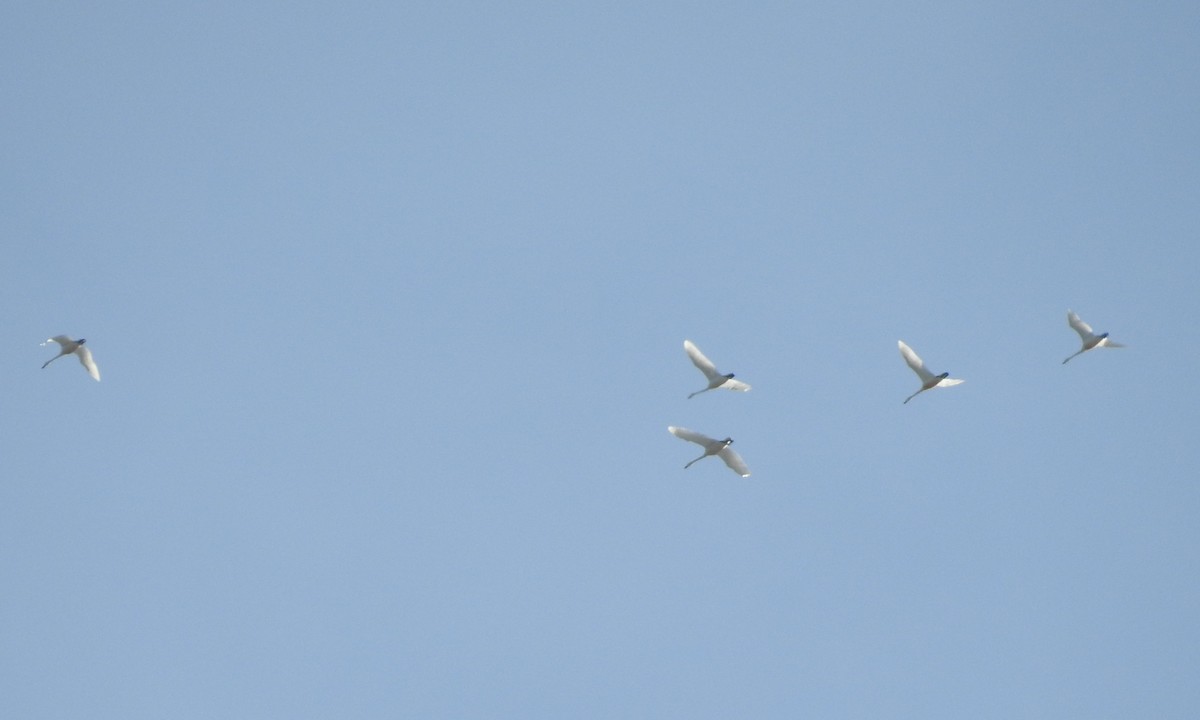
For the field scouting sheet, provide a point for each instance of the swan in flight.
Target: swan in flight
(719, 448)
(1090, 339)
(69, 346)
(715, 379)
(928, 379)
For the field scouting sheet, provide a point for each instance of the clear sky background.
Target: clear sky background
(389, 301)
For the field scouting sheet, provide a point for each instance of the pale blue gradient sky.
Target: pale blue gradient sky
(389, 302)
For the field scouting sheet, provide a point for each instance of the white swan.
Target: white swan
(69, 346)
(711, 446)
(715, 379)
(1090, 339)
(928, 379)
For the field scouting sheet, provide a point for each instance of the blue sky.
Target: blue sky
(389, 302)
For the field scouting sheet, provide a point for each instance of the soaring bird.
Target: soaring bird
(69, 346)
(1090, 339)
(715, 379)
(711, 446)
(928, 379)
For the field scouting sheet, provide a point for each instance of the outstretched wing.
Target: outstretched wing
(914, 361)
(731, 384)
(85, 359)
(698, 359)
(689, 435)
(734, 461)
(61, 340)
(947, 382)
(1079, 326)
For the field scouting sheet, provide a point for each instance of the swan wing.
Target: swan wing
(734, 461)
(700, 361)
(1079, 326)
(690, 435)
(915, 362)
(85, 359)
